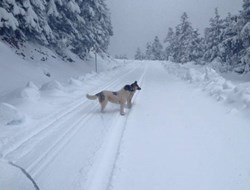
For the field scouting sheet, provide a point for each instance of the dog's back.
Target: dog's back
(119, 97)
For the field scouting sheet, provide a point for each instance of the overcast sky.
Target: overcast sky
(136, 22)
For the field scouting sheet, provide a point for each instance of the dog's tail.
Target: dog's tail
(91, 97)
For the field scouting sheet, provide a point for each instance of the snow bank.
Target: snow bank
(75, 82)
(213, 83)
(33, 74)
(9, 115)
(52, 85)
(30, 92)
(53, 88)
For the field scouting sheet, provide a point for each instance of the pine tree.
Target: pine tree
(245, 22)
(148, 52)
(186, 43)
(169, 40)
(156, 48)
(213, 37)
(231, 45)
(80, 26)
(24, 21)
(195, 48)
(183, 32)
(246, 10)
(234, 49)
(98, 25)
(245, 36)
(139, 54)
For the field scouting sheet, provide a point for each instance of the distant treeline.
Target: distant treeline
(226, 40)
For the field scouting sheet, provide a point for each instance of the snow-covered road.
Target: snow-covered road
(178, 138)
(174, 137)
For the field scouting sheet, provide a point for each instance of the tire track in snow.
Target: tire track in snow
(102, 171)
(62, 139)
(50, 124)
(27, 175)
(27, 144)
(43, 160)
(49, 155)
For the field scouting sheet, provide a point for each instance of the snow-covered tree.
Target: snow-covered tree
(213, 37)
(183, 34)
(245, 36)
(148, 52)
(169, 41)
(195, 47)
(231, 44)
(156, 48)
(84, 25)
(234, 49)
(245, 23)
(184, 44)
(246, 10)
(139, 55)
(97, 28)
(29, 19)
(80, 26)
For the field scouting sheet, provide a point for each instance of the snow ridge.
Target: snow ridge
(210, 81)
(26, 174)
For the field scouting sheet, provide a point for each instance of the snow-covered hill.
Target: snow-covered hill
(38, 64)
(188, 127)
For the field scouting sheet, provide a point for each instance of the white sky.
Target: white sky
(136, 22)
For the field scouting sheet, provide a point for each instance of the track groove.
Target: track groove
(51, 123)
(29, 145)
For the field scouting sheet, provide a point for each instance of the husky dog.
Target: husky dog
(118, 97)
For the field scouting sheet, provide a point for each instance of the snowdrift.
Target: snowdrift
(9, 115)
(213, 83)
(33, 73)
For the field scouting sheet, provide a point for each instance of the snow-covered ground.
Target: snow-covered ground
(189, 128)
(40, 65)
(179, 138)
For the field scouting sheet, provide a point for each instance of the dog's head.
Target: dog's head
(135, 86)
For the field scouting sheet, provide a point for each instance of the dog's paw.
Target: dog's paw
(122, 113)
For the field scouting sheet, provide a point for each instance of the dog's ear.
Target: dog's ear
(128, 87)
(135, 82)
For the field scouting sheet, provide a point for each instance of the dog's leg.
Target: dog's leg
(103, 105)
(129, 103)
(130, 99)
(122, 109)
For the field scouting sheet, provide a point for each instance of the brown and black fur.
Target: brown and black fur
(118, 97)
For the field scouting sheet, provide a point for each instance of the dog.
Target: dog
(118, 97)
